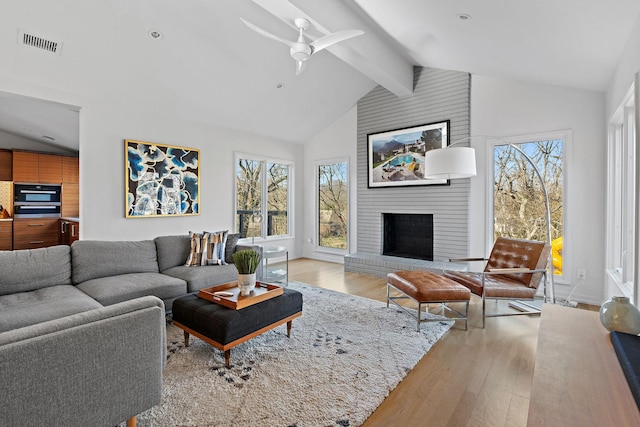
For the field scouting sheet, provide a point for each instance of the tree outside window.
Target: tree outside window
(333, 205)
(277, 199)
(518, 198)
(262, 198)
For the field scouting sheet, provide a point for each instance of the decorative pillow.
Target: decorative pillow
(232, 242)
(214, 247)
(195, 253)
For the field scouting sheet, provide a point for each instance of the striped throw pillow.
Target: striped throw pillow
(214, 244)
(195, 253)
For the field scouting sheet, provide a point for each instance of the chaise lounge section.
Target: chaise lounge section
(82, 328)
(64, 358)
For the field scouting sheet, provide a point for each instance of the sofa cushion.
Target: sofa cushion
(230, 247)
(123, 287)
(30, 269)
(172, 250)
(92, 259)
(29, 308)
(205, 276)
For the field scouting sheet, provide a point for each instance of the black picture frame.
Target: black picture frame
(395, 158)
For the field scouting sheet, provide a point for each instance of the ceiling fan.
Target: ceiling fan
(300, 50)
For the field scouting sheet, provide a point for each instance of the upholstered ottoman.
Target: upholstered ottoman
(425, 288)
(225, 328)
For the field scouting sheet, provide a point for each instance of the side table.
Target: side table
(275, 264)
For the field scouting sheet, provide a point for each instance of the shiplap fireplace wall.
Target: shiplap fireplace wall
(438, 95)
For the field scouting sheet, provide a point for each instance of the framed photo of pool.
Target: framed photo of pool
(396, 157)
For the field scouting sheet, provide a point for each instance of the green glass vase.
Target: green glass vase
(618, 314)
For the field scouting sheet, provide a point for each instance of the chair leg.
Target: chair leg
(483, 309)
(388, 293)
(466, 317)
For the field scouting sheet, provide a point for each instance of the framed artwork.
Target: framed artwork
(396, 157)
(161, 180)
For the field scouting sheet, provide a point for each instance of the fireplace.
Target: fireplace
(408, 235)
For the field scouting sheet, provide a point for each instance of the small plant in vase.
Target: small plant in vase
(247, 262)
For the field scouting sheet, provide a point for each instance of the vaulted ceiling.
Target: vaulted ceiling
(209, 67)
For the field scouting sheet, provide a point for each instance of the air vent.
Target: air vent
(39, 42)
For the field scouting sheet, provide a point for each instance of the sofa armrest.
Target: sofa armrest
(99, 367)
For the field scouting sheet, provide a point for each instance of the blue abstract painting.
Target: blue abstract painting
(162, 180)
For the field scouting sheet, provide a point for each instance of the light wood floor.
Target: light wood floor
(479, 377)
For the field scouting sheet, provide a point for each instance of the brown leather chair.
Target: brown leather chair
(513, 271)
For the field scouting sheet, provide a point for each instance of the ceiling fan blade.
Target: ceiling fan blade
(333, 38)
(300, 66)
(268, 35)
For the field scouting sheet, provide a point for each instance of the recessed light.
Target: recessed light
(463, 16)
(279, 85)
(155, 34)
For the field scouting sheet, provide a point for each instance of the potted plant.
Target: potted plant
(247, 262)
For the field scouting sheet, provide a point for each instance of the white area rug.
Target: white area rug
(345, 355)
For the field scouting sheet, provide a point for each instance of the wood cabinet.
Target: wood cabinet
(70, 170)
(70, 204)
(49, 168)
(69, 232)
(35, 233)
(25, 166)
(37, 167)
(6, 235)
(6, 165)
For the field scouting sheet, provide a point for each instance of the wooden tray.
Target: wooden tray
(262, 292)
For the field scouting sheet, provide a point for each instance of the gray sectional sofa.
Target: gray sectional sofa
(82, 328)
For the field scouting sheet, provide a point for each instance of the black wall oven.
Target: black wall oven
(36, 200)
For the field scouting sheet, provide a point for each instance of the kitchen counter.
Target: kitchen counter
(6, 219)
(71, 218)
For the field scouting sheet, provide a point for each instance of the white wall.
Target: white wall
(337, 141)
(103, 128)
(623, 77)
(504, 108)
(102, 173)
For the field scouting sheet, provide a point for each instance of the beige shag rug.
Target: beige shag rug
(345, 355)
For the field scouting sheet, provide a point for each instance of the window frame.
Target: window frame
(566, 136)
(265, 160)
(316, 221)
(621, 226)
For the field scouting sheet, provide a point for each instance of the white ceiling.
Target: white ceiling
(211, 68)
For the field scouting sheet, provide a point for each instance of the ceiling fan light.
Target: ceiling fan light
(299, 55)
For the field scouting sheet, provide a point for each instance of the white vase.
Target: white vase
(246, 283)
(618, 314)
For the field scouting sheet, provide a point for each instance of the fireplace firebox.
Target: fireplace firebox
(408, 235)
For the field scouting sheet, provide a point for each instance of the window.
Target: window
(621, 196)
(333, 205)
(262, 197)
(518, 196)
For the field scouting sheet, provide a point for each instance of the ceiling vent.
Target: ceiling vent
(39, 42)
